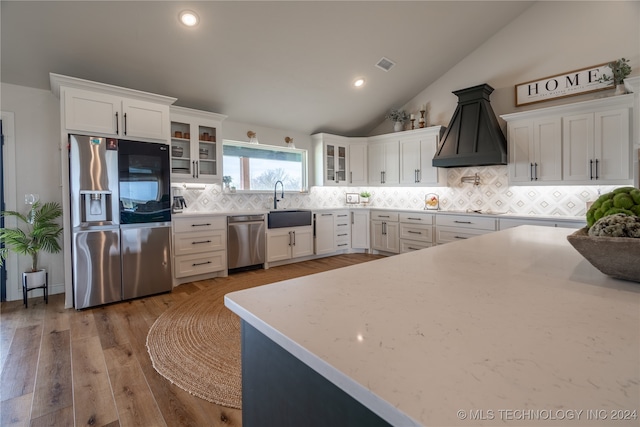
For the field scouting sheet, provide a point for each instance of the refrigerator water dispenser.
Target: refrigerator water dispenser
(96, 206)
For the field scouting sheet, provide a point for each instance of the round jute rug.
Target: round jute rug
(195, 344)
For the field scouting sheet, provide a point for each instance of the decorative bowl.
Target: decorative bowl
(204, 153)
(614, 256)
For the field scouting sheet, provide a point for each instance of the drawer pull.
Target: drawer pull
(460, 237)
(201, 225)
(413, 249)
(343, 234)
(463, 222)
(326, 214)
(200, 263)
(383, 216)
(342, 244)
(416, 219)
(202, 241)
(342, 225)
(414, 232)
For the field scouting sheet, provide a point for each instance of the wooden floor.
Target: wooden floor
(62, 367)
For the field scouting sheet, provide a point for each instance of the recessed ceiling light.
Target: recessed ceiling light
(359, 82)
(189, 18)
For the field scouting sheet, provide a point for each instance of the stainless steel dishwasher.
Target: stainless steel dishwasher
(245, 242)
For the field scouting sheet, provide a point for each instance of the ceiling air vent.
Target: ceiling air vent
(385, 64)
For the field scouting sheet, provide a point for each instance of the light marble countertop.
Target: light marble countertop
(373, 208)
(509, 328)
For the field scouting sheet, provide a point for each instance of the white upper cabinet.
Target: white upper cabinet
(105, 110)
(384, 160)
(417, 148)
(535, 150)
(358, 161)
(596, 147)
(331, 155)
(582, 143)
(196, 145)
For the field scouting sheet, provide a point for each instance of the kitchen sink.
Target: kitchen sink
(289, 218)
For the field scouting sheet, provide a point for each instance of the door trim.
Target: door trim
(14, 287)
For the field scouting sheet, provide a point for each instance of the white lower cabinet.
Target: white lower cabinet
(288, 243)
(385, 231)
(332, 232)
(360, 229)
(450, 228)
(416, 231)
(324, 240)
(199, 247)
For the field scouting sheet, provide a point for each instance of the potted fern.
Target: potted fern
(41, 233)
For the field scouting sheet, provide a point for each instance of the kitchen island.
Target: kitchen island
(509, 328)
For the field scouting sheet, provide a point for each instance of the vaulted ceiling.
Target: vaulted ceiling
(280, 64)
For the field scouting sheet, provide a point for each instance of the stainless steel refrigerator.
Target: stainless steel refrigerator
(120, 218)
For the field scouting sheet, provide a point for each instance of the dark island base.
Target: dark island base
(278, 390)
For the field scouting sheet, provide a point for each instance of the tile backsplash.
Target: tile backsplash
(493, 193)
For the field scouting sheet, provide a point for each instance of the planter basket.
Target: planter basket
(614, 256)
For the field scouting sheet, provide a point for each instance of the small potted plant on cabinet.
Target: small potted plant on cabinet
(620, 69)
(41, 233)
(364, 197)
(398, 117)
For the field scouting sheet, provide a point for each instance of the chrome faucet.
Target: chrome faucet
(275, 194)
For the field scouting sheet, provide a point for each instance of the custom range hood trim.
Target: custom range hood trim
(473, 137)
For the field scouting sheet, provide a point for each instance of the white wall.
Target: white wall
(37, 141)
(549, 38)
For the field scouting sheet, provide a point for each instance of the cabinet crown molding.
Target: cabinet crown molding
(58, 80)
(600, 104)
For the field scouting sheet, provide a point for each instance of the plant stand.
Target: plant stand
(35, 280)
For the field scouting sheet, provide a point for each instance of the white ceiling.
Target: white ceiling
(286, 65)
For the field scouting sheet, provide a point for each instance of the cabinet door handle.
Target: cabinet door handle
(463, 222)
(117, 125)
(197, 169)
(350, 177)
(201, 242)
(536, 170)
(590, 169)
(200, 225)
(200, 263)
(125, 123)
(193, 167)
(294, 238)
(531, 171)
(597, 162)
(352, 218)
(384, 228)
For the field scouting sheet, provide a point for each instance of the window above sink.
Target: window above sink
(257, 167)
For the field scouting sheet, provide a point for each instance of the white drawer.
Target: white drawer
(191, 265)
(422, 232)
(412, 245)
(204, 223)
(446, 234)
(467, 221)
(192, 243)
(384, 216)
(416, 218)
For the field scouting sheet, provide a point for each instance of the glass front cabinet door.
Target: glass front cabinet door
(196, 146)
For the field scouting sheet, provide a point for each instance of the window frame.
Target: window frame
(273, 148)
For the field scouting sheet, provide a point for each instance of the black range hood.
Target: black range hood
(473, 137)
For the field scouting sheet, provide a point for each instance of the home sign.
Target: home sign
(573, 83)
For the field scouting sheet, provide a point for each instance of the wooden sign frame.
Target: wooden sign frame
(572, 83)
